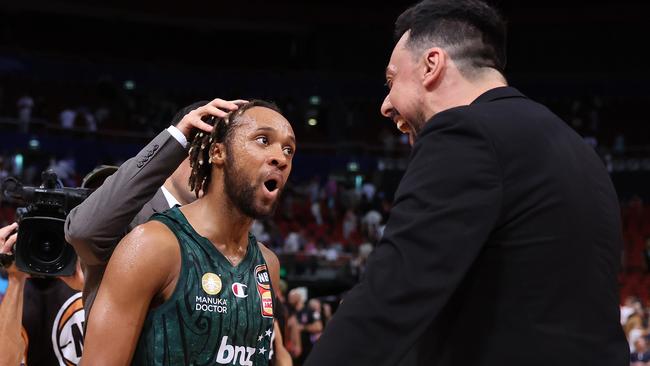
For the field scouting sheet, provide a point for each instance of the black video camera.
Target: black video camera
(41, 248)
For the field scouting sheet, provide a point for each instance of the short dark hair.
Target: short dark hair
(221, 133)
(470, 30)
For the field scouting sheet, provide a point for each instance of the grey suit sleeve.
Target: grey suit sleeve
(95, 227)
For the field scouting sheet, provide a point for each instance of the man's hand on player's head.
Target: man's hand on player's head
(192, 121)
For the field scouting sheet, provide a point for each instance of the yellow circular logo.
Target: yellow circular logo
(211, 283)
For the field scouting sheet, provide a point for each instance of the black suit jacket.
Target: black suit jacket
(502, 248)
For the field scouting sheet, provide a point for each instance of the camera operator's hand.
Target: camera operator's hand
(8, 235)
(76, 281)
(192, 121)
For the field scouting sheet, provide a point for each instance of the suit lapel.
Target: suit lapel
(158, 203)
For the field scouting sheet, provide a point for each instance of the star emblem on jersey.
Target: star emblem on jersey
(211, 283)
(262, 350)
(239, 290)
(268, 333)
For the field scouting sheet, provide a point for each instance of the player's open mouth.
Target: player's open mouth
(271, 185)
(271, 188)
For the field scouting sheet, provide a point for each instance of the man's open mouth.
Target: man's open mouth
(405, 128)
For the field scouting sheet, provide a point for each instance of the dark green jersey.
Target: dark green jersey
(217, 315)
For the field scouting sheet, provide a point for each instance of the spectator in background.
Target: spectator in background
(350, 223)
(306, 321)
(67, 118)
(634, 329)
(295, 241)
(368, 190)
(627, 309)
(65, 169)
(258, 230)
(370, 224)
(316, 308)
(25, 106)
(331, 191)
(89, 121)
(640, 356)
(316, 212)
(618, 147)
(4, 164)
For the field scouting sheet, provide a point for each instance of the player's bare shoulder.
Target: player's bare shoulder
(151, 242)
(273, 263)
(270, 257)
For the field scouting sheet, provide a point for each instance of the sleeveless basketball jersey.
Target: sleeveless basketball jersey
(217, 315)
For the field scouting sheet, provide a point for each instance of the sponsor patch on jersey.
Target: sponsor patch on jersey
(210, 304)
(267, 304)
(211, 283)
(264, 290)
(239, 290)
(262, 277)
(67, 331)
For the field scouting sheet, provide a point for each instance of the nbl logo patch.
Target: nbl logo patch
(264, 290)
(67, 331)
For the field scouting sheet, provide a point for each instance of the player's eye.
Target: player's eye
(288, 151)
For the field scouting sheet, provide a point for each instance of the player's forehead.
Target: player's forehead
(266, 119)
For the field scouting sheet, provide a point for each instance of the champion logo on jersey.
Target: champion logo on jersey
(239, 290)
(211, 283)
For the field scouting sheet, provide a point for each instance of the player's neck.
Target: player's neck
(216, 218)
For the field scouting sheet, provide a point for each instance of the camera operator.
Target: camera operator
(40, 318)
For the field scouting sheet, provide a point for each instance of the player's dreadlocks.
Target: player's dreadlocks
(200, 159)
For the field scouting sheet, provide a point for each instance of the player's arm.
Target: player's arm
(273, 263)
(145, 265)
(280, 354)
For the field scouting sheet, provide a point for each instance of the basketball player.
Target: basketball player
(192, 286)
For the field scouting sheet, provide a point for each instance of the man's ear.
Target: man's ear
(435, 61)
(218, 154)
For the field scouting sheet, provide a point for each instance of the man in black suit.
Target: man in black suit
(503, 244)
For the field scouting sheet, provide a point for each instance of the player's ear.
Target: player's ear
(218, 154)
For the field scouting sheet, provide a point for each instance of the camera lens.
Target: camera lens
(41, 247)
(44, 248)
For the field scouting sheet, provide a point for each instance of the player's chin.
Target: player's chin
(266, 208)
